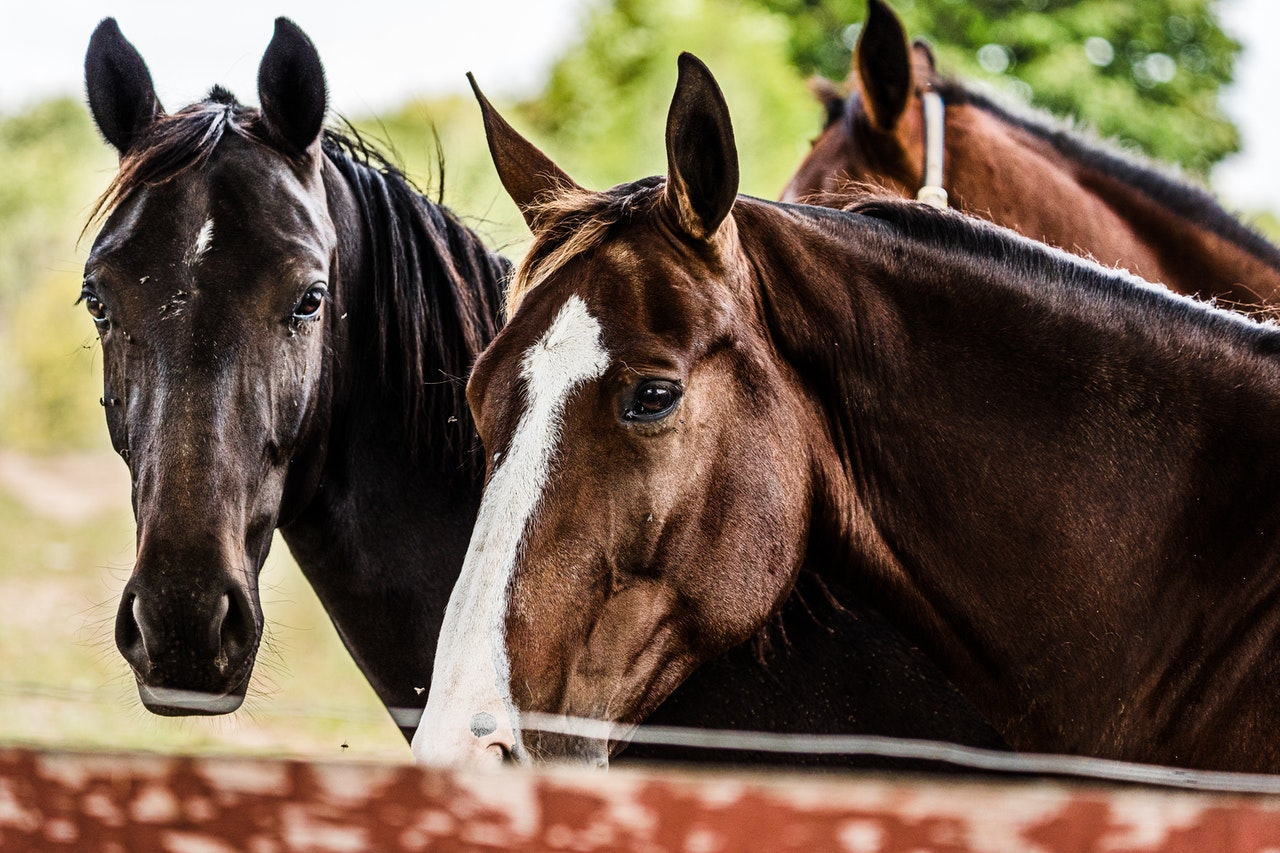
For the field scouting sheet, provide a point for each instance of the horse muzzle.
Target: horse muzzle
(191, 651)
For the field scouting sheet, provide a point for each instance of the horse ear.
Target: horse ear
(122, 97)
(291, 88)
(882, 65)
(529, 176)
(702, 159)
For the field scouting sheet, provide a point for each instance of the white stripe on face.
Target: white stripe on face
(472, 672)
(203, 240)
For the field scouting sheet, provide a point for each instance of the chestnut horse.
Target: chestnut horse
(281, 315)
(1064, 482)
(1044, 181)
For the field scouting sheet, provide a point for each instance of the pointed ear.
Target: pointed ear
(291, 89)
(702, 160)
(882, 65)
(122, 97)
(529, 176)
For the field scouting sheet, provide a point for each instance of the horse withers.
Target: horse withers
(1024, 172)
(1060, 480)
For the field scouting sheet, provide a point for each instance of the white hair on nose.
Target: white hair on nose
(203, 241)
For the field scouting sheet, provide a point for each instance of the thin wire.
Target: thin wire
(974, 758)
(1020, 763)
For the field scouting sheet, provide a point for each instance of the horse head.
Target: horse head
(876, 135)
(645, 454)
(213, 288)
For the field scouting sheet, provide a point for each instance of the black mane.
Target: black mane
(1185, 199)
(1043, 268)
(435, 290)
(436, 298)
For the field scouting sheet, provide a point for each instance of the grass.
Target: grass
(63, 684)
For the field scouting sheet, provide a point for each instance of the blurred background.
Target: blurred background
(1184, 81)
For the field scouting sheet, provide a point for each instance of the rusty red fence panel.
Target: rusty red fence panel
(124, 803)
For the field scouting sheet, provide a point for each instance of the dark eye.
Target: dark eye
(654, 399)
(309, 305)
(97, 310)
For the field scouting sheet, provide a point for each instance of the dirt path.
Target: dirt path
(68, 487)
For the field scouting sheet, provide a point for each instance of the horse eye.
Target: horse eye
(653, 400)
(97, 310)
(309, 305)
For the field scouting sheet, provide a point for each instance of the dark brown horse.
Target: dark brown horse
(1042, 180)
(281, 316)
(1062, 480)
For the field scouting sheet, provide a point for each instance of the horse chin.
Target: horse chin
(177, 702)
(548, 748)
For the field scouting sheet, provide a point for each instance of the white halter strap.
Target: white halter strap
(935, 117)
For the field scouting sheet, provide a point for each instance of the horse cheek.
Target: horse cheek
(114, 399)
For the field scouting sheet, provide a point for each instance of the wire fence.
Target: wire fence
(973, 758)
(877, 746)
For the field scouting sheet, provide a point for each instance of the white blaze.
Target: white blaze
(203, 240)
(472, 673)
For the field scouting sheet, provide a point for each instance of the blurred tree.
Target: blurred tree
(53, 378)
(1146, 72)
(440, 145)
(603, 113)
(52, 165)
(50, 155)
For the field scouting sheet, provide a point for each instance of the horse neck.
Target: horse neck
(1038, 485)
(383, 537)
(1098, 207)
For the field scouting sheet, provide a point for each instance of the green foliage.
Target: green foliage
(440, 145)
(50, 157)
(1146, 72)
(49, 394)
(52, 166)
(604, 110)
(1266, 223)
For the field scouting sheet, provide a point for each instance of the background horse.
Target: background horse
(283, 320)
(1062, 480)
(1044, 181)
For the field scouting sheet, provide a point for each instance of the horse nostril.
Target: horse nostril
(235, 628)
(218, 621)
(129, 637)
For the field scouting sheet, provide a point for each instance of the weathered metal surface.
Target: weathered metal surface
(125, 803)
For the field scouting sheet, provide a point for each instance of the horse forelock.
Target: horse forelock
(175, 143)
(572, 223)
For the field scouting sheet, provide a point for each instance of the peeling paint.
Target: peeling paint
(120, 803)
